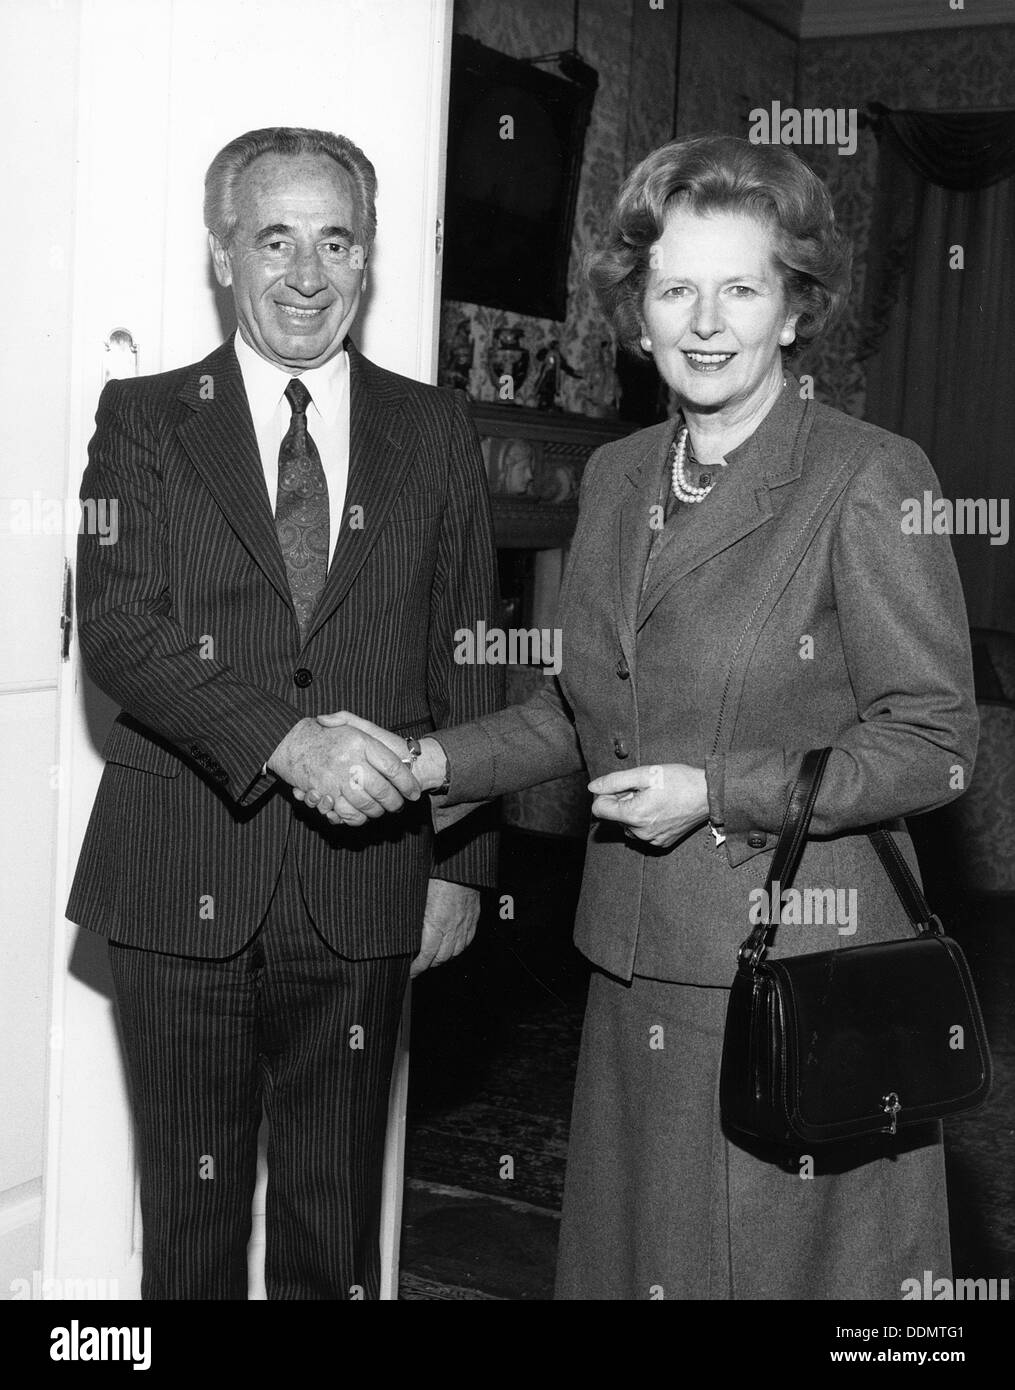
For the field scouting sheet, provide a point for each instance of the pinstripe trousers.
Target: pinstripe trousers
(289, 1025)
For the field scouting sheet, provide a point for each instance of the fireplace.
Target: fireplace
(535, 461)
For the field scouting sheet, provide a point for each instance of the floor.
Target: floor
(494, 1049)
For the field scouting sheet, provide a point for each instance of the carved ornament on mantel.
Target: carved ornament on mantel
(534, 462)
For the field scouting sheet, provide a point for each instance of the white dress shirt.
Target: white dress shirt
(327, 421)
(327, 424)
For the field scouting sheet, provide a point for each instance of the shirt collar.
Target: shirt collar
(265, 383)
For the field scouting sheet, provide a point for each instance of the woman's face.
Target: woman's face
(716, 311)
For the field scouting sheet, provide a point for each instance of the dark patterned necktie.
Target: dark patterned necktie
(301, 510)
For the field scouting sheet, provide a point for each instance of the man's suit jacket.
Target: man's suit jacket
(787, 611)
(187, 621)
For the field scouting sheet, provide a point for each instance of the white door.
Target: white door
(162, 86)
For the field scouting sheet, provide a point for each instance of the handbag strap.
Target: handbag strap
(796, 822)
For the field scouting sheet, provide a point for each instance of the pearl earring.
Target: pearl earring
(646, 343)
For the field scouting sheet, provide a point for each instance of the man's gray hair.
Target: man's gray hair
(224, 172)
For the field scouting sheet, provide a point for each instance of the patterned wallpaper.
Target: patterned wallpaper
(729, 62)
(969, 68)
(633, 50)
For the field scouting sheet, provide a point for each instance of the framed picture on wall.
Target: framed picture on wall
(515, 139)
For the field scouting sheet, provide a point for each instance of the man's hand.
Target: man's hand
(430, 768)
(656, 804)
(353, 721)
(343, 771)
(449, 923)
(429, 772)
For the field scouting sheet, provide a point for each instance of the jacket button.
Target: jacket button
(302, 677)
(757, 840)
(620, 748)
(622, 669)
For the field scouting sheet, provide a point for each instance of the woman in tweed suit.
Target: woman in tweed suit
(739, 589)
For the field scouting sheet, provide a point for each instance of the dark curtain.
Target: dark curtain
(940, 341)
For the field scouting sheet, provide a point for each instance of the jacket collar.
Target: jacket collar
(785, 420)
(383, 444)
(218, 436)
(772, 456)
(220, 442)
(775, 451)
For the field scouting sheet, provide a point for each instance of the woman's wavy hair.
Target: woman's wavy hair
(721, 173)
(232, 160)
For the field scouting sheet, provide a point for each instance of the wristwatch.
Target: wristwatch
(416, 751)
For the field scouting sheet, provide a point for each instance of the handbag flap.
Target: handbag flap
(868, 1023)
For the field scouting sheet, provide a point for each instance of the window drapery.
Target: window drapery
(938, 327)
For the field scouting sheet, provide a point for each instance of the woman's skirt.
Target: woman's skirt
(660, 1203)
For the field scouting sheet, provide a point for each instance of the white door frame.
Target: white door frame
(131, 59)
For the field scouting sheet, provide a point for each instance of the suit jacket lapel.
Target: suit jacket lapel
(634, 531)
(741, 502)
(219, 438)
(220, 441)
(382, 447)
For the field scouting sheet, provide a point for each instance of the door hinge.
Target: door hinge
(66, 611)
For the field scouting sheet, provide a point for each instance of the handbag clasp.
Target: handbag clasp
(891, 1105)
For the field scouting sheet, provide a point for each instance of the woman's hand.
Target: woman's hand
(659, 804)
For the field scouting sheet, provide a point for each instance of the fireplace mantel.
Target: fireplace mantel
(535, 460)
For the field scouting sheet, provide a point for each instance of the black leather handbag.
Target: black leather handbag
(844, 1043)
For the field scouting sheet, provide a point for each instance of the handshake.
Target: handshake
(351, 770)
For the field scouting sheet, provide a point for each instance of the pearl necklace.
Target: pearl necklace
(683, 490)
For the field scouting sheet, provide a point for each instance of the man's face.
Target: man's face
(295, 262)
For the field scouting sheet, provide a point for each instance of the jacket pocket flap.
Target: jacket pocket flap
(129, 746)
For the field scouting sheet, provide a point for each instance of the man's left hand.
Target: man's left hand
(449, 923)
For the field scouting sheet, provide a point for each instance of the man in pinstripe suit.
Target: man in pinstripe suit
(300, 531)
